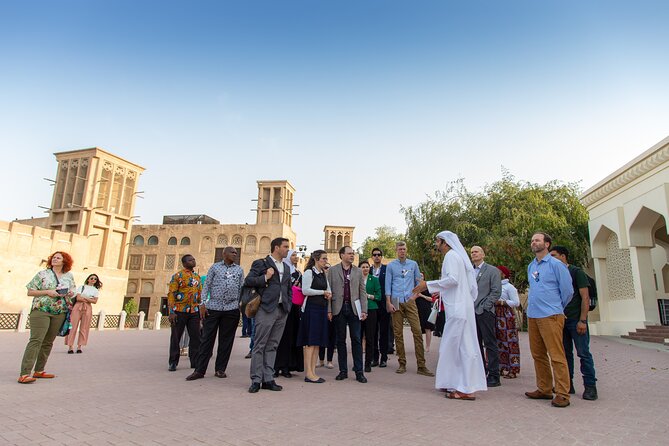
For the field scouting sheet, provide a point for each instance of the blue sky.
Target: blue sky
(363, 105)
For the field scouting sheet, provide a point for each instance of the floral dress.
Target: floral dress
(46, 280)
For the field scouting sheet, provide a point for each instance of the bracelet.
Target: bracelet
(583, 321)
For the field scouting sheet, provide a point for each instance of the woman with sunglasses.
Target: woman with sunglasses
(82, 312)
(52, 290)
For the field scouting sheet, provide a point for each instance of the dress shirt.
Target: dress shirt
(307, 278)
(279, 265)
(509, 294)
(550, 287)
(223, 285)
(401, 279)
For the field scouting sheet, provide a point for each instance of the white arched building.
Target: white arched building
(629, 211)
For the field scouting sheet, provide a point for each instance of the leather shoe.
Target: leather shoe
(248, 356)
(401, 369)
(590, 393)
(360, 377)
(383, 364)
(254, 388)
(195, 375)
(560, 401)
(375, 363)
(368, 369)
(286, 374)
(342, 375)
(172, 367)
(271, 385)
(537, 395)
(493, 382)
(425, 371)
(220, 374)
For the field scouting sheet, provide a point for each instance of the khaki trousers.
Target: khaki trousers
(44, 328)
(550, 363)
(409, 311)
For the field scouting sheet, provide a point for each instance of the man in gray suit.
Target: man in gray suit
(489, 282)
(348, 289)
(271, 279)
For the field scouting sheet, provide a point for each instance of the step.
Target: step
(654, 339)
(664, 328)
(654, 332)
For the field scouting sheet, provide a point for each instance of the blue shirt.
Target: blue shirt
(551, 287)
(222, 288)
(401, 279)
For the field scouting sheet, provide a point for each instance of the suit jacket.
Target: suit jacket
(273, 288)
(489, 281)
(335, 277)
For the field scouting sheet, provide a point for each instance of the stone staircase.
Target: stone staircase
(652, 333)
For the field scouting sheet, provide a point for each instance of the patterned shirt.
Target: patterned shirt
(184, 294)
(46, 280)
(223, 285)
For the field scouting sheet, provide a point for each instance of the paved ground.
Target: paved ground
(120, 392)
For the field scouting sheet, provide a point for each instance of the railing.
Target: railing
(9, 321)
(21, 321)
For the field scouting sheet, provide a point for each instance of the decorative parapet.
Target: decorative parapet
(644, 163)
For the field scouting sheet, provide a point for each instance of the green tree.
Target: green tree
(384, 238)
(501, 219)
(130, 307)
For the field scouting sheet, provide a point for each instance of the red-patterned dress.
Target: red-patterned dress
(507, 333)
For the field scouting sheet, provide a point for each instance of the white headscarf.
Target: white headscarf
(287, 261)
(454, 242)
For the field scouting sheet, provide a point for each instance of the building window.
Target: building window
(135, 263)
(185, 241)
(237, 240)
(153, 240)
(150, 262)
(222, 240)
(138, 241)
(170, 260)
(172, 241)
(276, 203)
(251, 243)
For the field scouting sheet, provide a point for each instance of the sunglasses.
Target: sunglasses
(376, 255)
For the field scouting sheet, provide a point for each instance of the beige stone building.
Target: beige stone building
(90, 217)
(629, 211)
(156, 250)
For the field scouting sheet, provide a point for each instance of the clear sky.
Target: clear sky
(362, 105)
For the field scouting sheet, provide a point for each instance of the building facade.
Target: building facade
(629, 211)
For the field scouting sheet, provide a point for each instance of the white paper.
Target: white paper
(358, 308)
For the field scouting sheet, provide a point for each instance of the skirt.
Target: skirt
(424, 309)
(507, 340)
(313, 326)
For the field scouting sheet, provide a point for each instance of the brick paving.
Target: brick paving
(119, 392)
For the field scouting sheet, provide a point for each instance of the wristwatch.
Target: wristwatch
(584, 321)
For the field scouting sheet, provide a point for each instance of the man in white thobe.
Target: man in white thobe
(460, 368)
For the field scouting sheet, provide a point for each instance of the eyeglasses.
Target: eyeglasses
(376, 255)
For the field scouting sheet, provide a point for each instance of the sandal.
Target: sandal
(459, 396)
(43, 375)
(26, 379)
(509, 375)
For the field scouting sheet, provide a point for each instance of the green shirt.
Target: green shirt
(373, 288)
(46, 280)
(579, 280)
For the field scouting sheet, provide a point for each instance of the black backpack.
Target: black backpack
(592, 287)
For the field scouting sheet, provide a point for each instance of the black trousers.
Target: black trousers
(485, 330)
(191, 322)
(384, 330)
(371, 328)
(225, 323)
(332, 339)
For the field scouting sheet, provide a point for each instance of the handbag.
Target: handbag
(251, 308)
(432, 318)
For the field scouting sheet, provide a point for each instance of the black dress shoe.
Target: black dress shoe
(271, 385)
(383, 364)
(254, 388)
(342, 375)
(195, 375)
(286, 374)
(493, 382)
(220, 374)
(276, 374)
(375, 363)
(318, 381)
(360, 377)
(172, 367)
(368, 369)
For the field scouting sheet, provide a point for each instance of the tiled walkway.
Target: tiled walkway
(120, 392)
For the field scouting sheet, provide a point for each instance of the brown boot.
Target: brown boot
(560, 401)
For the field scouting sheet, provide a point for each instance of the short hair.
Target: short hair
(342, 250)
(67, 261)
(362, 262)
(377, 249)
(561, 250)
(185, 256)
(229, 248)
(400, 243)
(547, 238)
(277, 242)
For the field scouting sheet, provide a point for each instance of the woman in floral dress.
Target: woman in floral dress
(507, 333)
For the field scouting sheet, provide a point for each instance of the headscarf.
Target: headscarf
(287, 261)
(454, 242)
(505, 271)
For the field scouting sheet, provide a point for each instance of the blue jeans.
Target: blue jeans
(246, 325)
(571, 338)
(345, 318)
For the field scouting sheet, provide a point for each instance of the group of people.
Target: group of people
(55, 297)
(303, 315)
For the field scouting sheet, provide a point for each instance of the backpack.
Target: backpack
(592, 287)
